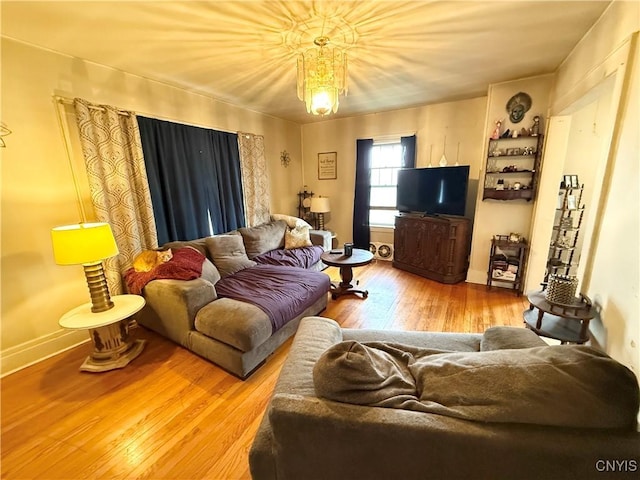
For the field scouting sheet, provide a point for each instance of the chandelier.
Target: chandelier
(322, 76)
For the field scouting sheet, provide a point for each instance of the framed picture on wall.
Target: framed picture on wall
(328, 166)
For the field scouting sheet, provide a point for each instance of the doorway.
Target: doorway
(578, 143)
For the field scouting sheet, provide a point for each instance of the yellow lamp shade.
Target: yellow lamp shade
(83, 243)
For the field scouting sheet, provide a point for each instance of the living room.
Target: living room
(38, 191)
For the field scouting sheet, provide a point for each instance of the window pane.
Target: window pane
(383, 197)
(389, 155)
(383, 218)
(375, 176)
(385, 177)
(377, 158)
(386, 160)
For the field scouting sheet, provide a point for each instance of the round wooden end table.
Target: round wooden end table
(109, 331)
(346, 264)
(568, 323)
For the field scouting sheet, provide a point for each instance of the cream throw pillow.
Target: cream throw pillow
(292, 222)
(297, 238)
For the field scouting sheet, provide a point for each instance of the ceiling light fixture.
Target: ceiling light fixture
(322, 76)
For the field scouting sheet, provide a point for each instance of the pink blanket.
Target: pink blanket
(186, 264)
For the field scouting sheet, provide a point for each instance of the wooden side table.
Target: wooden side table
(359, 258)
(568, 323)
(109, 332)
(515, 249)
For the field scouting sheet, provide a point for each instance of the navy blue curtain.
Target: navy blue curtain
(194, 179)
(361, 234)
(408, 151)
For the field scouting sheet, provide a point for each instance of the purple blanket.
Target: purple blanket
(281, 292)
(296, 257)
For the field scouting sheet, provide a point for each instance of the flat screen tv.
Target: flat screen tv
(433, 191)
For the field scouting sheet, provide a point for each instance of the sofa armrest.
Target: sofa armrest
(172, 306)
(321, 238)
(315, 438)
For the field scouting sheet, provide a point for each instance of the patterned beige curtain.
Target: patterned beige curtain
(120, 195)
(255, 178)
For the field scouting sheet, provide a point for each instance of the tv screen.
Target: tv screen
(432, 191)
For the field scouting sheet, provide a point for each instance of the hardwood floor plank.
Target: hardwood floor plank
(172, 414)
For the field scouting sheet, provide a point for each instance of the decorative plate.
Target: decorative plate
(517, 106)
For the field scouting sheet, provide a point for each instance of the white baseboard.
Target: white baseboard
(477, 276)
(21, 356)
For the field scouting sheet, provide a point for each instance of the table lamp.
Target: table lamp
(320, 206)
(87, 244)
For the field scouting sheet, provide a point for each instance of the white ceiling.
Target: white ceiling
(401, 54)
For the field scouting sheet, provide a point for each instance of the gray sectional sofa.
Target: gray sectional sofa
(305, 436)
(233, 332)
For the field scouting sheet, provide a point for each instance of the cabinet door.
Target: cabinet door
(434, 251)
(406, 241)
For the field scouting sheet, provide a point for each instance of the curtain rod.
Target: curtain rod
(394, 138)
(69, 101)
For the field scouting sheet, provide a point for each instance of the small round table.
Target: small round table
(568, 323)
(359, 258)
(109, 331)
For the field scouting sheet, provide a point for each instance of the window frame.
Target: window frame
(394, 168)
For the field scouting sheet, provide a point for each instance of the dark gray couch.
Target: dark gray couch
(235, 335)
(306, 437)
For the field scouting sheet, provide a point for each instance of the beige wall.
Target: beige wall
(497, 217)
(611, 260)
(37, 189)
(460, 121)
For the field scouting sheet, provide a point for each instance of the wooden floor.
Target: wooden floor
(171, 414)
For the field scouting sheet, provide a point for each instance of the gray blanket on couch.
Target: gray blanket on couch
(571, 386)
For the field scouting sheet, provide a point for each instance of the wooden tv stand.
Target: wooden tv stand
(435, 247)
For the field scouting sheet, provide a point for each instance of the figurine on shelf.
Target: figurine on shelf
(496, 131)
(535, 128)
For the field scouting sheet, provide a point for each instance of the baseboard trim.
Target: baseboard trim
(29, 353)
(477, 276)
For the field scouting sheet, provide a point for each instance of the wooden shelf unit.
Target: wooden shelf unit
(562, 248)
(527, 168)
(518, 253)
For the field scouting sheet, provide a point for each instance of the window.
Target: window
(386, 160)
(194, 179)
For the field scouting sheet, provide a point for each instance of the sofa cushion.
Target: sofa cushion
(567, 386)
(292, 222)
(297, 238)
(499, 338)
(185, 264)
(239, 324)
(262, 238)
(199, 244)
(304, 257)
(228, 254)
(455, 342)
(209, 271)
